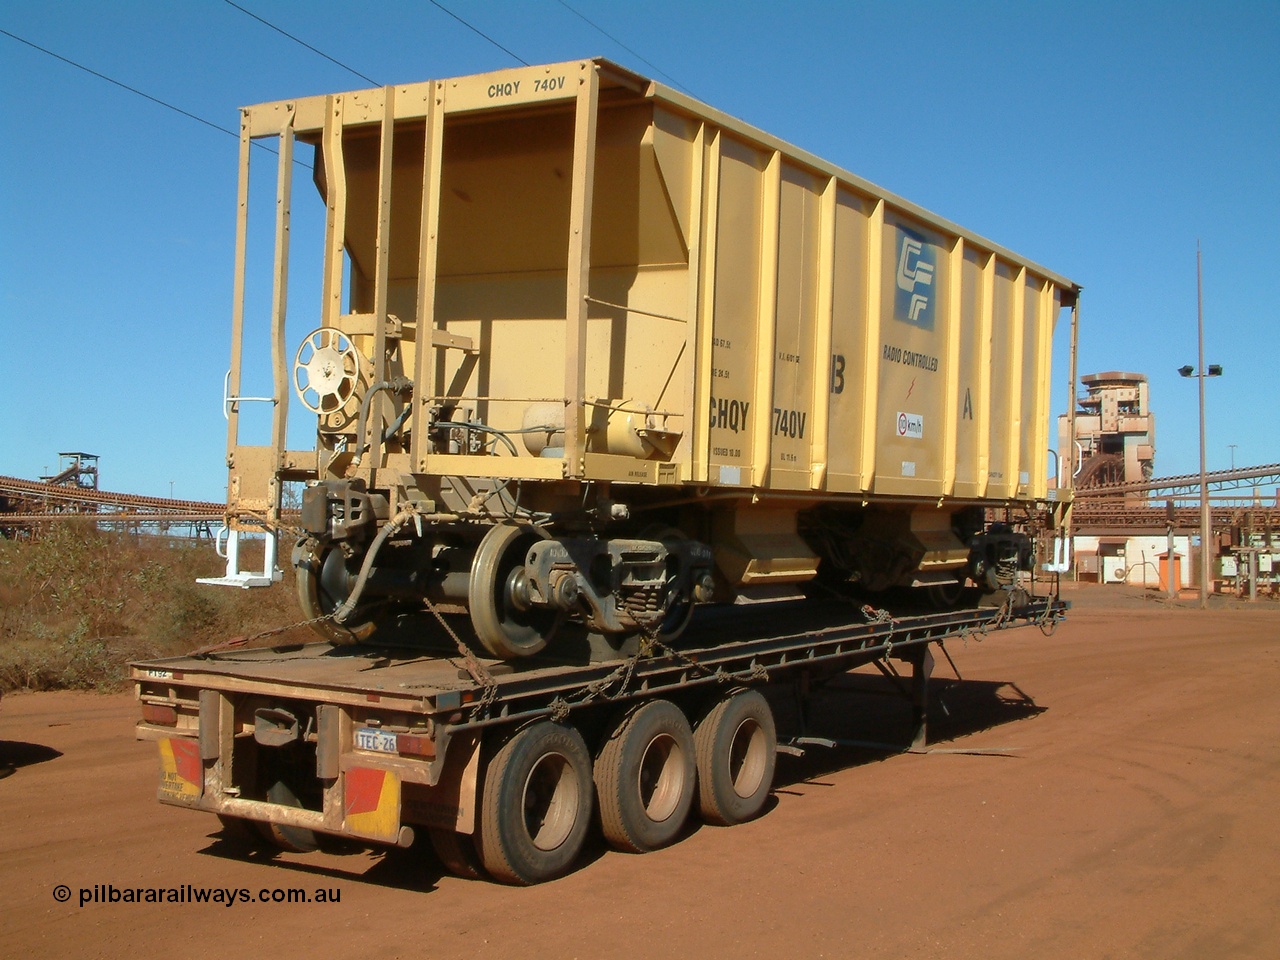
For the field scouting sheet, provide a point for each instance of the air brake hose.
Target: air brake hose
(397, 385)
(393, 526)
(392, 430)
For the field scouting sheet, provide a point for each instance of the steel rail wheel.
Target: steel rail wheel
(322, 583)
(506, 625)
(458, 853)
(946, 596)
(737, 749)
(679, 613)
(645, 777)
(679, 602)
(536, 804)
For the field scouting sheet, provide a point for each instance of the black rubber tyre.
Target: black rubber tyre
(736, 744)
(240, 832)
(645, 778)
(504, 629)
(536, 804)
(458, 853)
(293, 839)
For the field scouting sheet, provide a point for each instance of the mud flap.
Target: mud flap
(451, 803)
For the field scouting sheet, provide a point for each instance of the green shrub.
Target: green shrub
(78, 604)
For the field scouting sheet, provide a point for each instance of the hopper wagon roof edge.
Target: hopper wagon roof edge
(698, 109)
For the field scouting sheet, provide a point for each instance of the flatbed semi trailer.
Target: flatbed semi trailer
(501, 764)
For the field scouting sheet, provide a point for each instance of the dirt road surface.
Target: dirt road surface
(1136, 815)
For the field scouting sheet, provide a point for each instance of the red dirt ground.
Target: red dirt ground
(1136, 817)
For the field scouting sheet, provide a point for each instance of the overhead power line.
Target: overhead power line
(286, 33)
(122, 86)
(583, 17)
(139, 93)
(476, 30)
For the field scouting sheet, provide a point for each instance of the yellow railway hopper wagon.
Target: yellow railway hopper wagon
(590, 352)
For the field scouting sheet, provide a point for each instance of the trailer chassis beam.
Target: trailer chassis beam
(745, 662)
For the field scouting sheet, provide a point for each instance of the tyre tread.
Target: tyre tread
(717, 801)
(458, 853)
(615, 822)
(495, 850)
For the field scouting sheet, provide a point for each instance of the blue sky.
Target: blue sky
(1099, 139)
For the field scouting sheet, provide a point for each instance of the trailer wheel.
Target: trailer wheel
(284, 836)
(645, 776)
(240, 832)
(736, 745)
(504, 623)
(536, 805)
(458, 853)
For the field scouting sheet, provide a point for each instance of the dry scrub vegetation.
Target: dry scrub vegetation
(79, 603)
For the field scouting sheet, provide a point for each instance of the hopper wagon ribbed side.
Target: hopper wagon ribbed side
(588, 353)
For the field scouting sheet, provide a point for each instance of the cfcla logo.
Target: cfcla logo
(915, 280)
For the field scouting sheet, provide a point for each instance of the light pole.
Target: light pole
(1233, 454)
(1214, 370)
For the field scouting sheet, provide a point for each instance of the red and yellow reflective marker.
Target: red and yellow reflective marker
(372, 803)
(181, 770)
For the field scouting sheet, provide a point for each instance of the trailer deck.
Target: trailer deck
(291, 743)
(738, 644)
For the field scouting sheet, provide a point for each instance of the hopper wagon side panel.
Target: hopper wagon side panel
(567, 297)
(792, 328)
